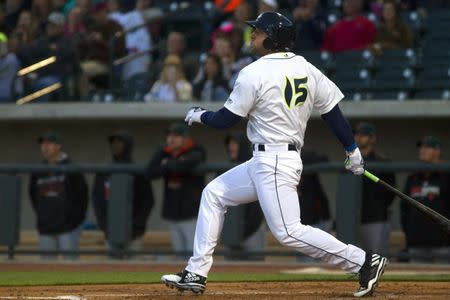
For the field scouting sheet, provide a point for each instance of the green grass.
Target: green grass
(71, 278)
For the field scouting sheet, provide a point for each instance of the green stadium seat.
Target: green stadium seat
(396, 58)
(432, 94)
(390, 95)
(353, 59)
(320, 59)
(352, 80)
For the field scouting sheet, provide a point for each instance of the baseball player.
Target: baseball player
(277, 94)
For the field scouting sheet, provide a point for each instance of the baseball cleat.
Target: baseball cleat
(370, 274)
(185, 281)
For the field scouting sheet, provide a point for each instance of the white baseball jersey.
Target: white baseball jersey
(277, 93)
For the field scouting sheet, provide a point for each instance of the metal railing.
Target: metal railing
(44, 91)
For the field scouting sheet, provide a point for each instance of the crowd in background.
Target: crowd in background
(107, 50)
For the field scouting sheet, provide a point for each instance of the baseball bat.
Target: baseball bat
(437, 217)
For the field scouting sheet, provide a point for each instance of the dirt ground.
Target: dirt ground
(250, 290)
(260, 291)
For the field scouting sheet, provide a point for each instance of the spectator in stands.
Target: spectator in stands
(10, 85)
(212, 86)
(176, 45)
(26, 31)
(313, 199)
(75, 27)
(242, 14)
(95, 49)
(222, 48)
(267, 5)
(172, 85)
(12, 11)
(58, 5)
(425, 240)
(40, 10)
(249, 217)
(121, 145)
(84, 5)
(52, 44)
(58, 199)
(392, 33)
(242, 58)
(375, 200)
(29, 26)
(182, 188)
(137, 41)
(310, 21)
(353, 32)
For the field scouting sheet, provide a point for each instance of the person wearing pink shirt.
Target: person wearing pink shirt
(353, 32)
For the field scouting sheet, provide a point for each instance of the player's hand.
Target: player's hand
(194, 114)
(355, 162)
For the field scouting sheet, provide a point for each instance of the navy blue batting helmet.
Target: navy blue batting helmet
(279, 29)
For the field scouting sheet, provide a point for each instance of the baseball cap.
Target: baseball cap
(365, 128)
(51, 136)
(56, 18)
(178, 128)
(430, 141)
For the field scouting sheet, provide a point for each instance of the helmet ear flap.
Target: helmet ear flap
(285, 36)
(268, 43)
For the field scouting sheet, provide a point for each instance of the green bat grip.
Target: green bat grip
(371, 176)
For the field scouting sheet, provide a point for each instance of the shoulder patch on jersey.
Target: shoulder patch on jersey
(230, 101)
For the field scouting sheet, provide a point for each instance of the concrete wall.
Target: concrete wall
(85, 141)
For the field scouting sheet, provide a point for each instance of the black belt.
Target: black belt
(262, 147)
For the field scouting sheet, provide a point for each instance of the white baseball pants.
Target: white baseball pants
(271, 177)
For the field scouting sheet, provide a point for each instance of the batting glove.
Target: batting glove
(355, 162)
(194, 114)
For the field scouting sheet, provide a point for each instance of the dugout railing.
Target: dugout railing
(348, 194)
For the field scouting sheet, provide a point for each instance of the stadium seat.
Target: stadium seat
(194, 22)
(397, 83)
(352, 79)
(319, 59)
(356, 95)
(396, 58)
(433, 82)
(436, 75)
(415, 21)
(390, 95)
(353, 59)
(432, 94)
(438, 18)
(435, 49)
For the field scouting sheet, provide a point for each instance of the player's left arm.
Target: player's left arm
(342, 130)
(326, 98)
(340, 127)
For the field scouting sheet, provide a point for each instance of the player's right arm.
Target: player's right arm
(238, 105)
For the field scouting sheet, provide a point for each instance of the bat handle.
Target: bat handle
(371, 176)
